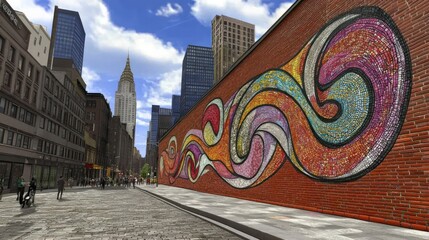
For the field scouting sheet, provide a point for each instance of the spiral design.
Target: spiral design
(334, 110)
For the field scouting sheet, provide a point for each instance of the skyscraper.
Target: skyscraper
(67, 40)
(125, 99)
(197, 76)
(175, 107)
(230, 39)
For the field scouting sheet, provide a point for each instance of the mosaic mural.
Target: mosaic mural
(333, 111)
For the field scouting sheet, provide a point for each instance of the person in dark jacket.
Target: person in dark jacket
(32, 186)
(60, 184)
(20, 183)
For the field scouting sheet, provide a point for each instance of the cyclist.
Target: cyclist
(32, 187)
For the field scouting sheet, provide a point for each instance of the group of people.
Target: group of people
(20, 183)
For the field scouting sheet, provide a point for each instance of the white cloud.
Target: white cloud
(169, 10)
(252, 11)
(150, 56)
(90, 77)
(142, 123)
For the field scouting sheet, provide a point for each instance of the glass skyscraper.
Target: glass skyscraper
(68, 37)
(197, 76)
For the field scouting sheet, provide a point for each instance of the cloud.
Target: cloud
(90, 77)
(142, 123)
(109, 43)
(253, 11)
(169, 10)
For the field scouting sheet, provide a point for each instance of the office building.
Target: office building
(67, 40)
(230, 39)
(197, 76)
(120, 147)
(125, 99)
(160, 122)
(175, 107)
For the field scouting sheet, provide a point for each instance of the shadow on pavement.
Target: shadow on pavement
(26, 211)
(19, 228)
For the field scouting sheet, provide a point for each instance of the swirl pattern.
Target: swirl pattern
(334, 110)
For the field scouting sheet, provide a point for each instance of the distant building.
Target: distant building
(67, 40)
(175, 107)
(160, 122)
(39, 40)
(230, 39)
(197, 76)
(97, 117)
(125, 99)
(120, 147)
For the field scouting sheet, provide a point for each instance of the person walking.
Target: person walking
(60, 184)
(103, 183)
(20, 184)
(134, 182)
(32, 186)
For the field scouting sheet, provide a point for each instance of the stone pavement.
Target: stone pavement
(113, 213)
(266, 221)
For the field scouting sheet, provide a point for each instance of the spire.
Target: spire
(127, 74)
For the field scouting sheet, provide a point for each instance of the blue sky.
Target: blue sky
(156, 34)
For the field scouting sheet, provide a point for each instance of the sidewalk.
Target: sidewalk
(265, 221)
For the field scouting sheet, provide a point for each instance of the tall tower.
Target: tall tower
(197, 76)
(67, 40)
(125, 99)
(230, 39)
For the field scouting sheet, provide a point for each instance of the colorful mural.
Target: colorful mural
(333, 111)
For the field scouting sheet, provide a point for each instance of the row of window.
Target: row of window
(20, 113)
(21, 140)
(14, 139)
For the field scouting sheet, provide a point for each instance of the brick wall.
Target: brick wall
(395, 191)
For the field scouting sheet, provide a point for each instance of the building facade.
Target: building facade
(39, 40)
(67, 39)
(41, 127)
(125, 99)
(230, 39)
(98, 115)
(175, 107)
(197, 76)
(160, 122)
(120, 147)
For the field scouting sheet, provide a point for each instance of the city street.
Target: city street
(90, 213)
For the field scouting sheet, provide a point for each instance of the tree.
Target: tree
(145, 170)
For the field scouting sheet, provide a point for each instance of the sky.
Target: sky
(156, 34)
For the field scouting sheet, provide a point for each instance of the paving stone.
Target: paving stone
(113, 213)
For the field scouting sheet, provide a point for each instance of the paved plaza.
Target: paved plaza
(113, 213)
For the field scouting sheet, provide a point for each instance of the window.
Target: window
(40, 145)
(47, 80)
(40, 40)
(35, 41)
(1, 44)
(37, 77)
(13, 110)
(30, 70)
(18, 85)
(7, 79)
(44, 50)
(20, 62)
(29, 118)
(11, 54)
(9, 139)
(1, 135)
(26, 142)
(44, 103)
(21, 114)
(18, 140)
(42, 123)
(2, 105)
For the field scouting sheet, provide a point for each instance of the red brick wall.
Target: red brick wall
(397, 191)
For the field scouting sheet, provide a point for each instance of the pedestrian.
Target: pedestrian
(32, 187)
(134, 182)
(103, 183)
(60, 184)
(20, 184)
(71, 182)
